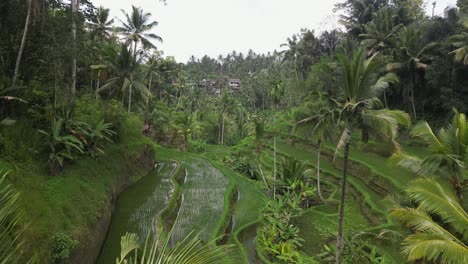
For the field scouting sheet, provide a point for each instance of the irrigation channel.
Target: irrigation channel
(202, 203)
(136, 210)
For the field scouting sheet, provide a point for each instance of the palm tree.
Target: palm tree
(291, 53)
(225, 104)
(190, 250)
(100, 24)
(412, 58)
(448, 152)
(125, 67)
(276, 94)
(155, 117)
(380, 32)
(75, 6)
(241, 116)
(188, 125)
(136, 29)
(360, 84)
(439, 224)
(321, 127)
(152, 69)
(460, 42)
(100, 27)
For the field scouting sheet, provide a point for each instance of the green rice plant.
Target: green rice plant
(202, 200)
(138, 208)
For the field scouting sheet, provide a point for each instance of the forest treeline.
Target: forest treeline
(71, 77)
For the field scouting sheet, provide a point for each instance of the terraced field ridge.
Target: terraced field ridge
(137, 209)
(202, 200)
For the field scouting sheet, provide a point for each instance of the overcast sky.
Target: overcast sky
(213, 27)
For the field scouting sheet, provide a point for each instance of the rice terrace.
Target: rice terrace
(247, 131)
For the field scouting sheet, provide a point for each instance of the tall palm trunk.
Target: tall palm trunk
(318, 170)
(412, 94)
(274, 156)
(98, 82)
(339, 239)
(222, 131)
(134, 49)
(385, 97)
(150, 82)
(74, 6)
(23, 43)
(130, 93)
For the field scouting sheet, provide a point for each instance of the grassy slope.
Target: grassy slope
(72, 202)
(319, 223)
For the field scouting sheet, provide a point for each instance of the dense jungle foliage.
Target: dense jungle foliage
(342, 146)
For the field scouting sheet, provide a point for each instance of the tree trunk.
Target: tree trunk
(98, 82)
(74, 6)
(318, 171)
(365, 136)
(412, 94)
(274, 157)
(23, 43)
(222, 132)
(150, 82)
(55, 92)
(134, 49)
(219, 134)
(385, 97)
(263, 177)
(130, 95)
(339, 239)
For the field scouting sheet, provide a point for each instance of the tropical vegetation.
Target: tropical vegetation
(345, 145)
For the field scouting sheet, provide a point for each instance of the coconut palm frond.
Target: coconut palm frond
(424, 131)
(433, 198)
(434, 248)
(345, 138)
(12, 223)
(189, 250)
(420, 221)
(439, 224)
(406, 161)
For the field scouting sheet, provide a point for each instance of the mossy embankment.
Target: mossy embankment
(79, 202)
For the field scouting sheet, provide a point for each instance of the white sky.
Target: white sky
(213, 27)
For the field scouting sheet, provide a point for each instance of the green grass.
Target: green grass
(74, 201)
(247, 212)
(371, 171)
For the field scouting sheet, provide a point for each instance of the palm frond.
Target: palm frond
(433, 198)
(423, 130)
(345, 138)
(434, 248)
(421, 222)
(11, 221)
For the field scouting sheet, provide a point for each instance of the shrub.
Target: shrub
(62, 246)
(197, 146)
(278, 237)
(245, 166)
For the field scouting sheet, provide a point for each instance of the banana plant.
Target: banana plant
(93, 136)
(61, 146)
